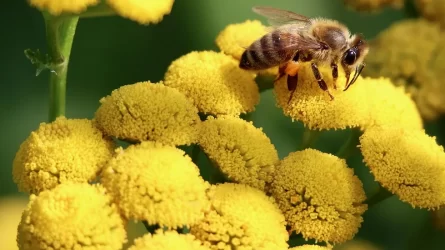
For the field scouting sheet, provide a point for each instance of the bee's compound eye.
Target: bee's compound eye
(350, 57)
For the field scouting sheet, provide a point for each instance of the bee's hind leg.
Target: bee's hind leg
(320, 80)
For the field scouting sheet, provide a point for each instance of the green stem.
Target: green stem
(380, 195)
(59, 37)
(309, 137)
(350, 146)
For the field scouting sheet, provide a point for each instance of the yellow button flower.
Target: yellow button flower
(158, 184)
(66, 150)
(57, 7)
(408, 163)
(11, 208)
(235, 38)
(148, 111)
(390, 105)
(313, 106)
(319, 195)
(432, 10)
(168, 240)
(411, 62)
(310, 247)
(374, 5)
(142, 11)
(242, 217)
(71, 216)
(214, 82)
(242, 152)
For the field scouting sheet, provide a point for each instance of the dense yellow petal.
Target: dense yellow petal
(156, 183)
(168, 240)
(57, 7)
(242, 152)
(214, 82)
(66, 150)
(142, 11)
(71, 216)
(408, 163)
(319, 195)
(374, 5)
(148, 111)
(242, 217)
(11, 208)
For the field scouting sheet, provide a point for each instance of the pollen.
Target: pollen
(242, 217)
(57, 7)
(243, 152)
(71, 216)
(66, 150)
(319, 195)
(148, 111)
(313, 106)
(168, 240)
(214, 82)
(408, 163)
(156, 183)
(142, 11)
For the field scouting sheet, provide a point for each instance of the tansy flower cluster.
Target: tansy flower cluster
(373, 5)
(138, 158)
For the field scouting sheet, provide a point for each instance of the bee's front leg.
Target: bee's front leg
(320, 80)
(334, 68)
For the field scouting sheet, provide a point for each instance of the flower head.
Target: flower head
(313, 106)
(156, 183)
(373, 5)
(168, 240)
(235, 38)
(408, 163)
(142, 11)
(148, 111)
(66, 150)
(11, 210)
(71, 216)
(404, 65)
(319, 195)
(242, 152)
(310, 247)
(241, 217)
(214, 82)
(57, 7)
(432, 10)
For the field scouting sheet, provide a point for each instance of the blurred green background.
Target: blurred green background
(110, 52)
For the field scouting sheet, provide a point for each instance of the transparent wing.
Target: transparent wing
(278, 17)
(288, 42)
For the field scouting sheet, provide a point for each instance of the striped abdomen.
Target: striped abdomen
(266, 52)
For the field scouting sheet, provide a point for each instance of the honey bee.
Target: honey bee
(295, 39)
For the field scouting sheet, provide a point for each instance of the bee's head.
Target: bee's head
(353, 58)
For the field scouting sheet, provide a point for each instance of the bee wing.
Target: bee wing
(293, 42)
(278, 17)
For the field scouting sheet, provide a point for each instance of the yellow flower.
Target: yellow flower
(313, 106)
(156, 183)
(408, 163)
(242, 217)
(10, 212)
(168, 240)
(411, 62)
(148, 111)
(319, 195)
(214, 82)
(142, 11)
(389, 105)
(57, 7)
(235, 38)
(432, 10)
(374, 5)
(71, 216)
(66, 150)
(310, 247)
(242, 152)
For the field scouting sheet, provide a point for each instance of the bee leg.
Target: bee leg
(292, 82)
(347, 75)
(281, 72)
(320, 80)
(334, 74)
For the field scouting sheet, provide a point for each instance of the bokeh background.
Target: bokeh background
(109, 52)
